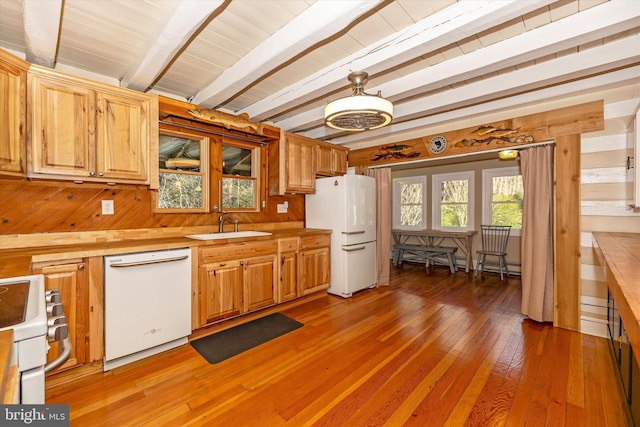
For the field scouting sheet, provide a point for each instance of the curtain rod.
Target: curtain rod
(517, 147)
(256, 140)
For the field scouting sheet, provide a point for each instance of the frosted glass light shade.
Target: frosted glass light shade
(358, 112)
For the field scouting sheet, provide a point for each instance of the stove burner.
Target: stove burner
(13, 303)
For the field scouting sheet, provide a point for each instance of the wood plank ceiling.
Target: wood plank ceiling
(281, 61)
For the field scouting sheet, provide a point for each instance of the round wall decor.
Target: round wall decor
(437, 144)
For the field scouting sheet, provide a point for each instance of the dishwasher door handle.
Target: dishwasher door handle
(151, 261)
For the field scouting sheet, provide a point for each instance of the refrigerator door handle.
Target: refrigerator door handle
(349, 233)
(357, 248)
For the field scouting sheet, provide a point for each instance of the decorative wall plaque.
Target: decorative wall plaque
(437, 144)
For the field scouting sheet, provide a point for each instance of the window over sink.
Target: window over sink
(183, 164)
(240, 176)
(204, 171)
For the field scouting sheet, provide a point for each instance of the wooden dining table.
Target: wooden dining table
(462, 239)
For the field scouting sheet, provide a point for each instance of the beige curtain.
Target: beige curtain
(537, 233)
(383, 213)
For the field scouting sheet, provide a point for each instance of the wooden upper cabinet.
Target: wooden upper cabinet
(123, 136)
(300, 155)
(63, 128)
(292, 165)
(13, 113)
(331, 160)
(83, 130)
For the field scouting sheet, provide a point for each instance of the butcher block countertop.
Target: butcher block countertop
(620, 254)
(17, 261)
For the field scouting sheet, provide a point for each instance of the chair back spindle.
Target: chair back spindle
(494, 243)
(495, 237)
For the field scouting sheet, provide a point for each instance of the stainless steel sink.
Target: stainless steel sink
(228, 235)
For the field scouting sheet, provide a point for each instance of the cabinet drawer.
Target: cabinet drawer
(288, 244)
(237, 251)
(221, 264)
(317, 241)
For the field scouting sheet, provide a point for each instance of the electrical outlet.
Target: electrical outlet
(107, 207)
(283, 207)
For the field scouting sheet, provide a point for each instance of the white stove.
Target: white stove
(35, 316)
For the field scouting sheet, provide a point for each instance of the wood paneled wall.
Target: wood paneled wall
(40, 207)
(567, 232)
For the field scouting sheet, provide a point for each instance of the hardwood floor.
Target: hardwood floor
(431, 349)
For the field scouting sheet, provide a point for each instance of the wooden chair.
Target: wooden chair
(494, 243)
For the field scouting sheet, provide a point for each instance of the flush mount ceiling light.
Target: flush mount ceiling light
(508, 154)
(360, 111)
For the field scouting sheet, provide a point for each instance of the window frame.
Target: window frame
(436, 199)
(203, 172)
(256, 175)
(487, 192)
(397, 183)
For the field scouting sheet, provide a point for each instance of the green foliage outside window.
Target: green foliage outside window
(177, 190)
(506, 203)
(411, 205)
(454, 206)
(238, 193)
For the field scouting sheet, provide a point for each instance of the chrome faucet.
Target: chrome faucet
(223, 217)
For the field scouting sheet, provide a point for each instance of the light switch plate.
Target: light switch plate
(107, 207)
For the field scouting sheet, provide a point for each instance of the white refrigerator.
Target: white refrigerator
(347, 206)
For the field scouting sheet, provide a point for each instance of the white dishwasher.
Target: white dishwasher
(147, 304)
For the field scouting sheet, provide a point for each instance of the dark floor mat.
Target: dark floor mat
(228, 343)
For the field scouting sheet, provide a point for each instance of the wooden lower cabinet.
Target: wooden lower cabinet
(222, 290)
(70, 277)
(238, 286)
(288, 254)
(315, 263)
(315, 271)
(624, 359)
(259, 282)
(236, 278)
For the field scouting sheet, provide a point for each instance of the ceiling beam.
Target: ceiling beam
(596, 60)
(318, 22)
(170, 40)
(579, 29)
(41, 19)
(585, 27)
(407, 130)
(450, 25)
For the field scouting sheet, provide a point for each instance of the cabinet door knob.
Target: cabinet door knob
(80, 266)
(92, 173)
(101, 174)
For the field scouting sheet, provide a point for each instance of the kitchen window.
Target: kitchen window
(183, 180)
(239, 183)
(409, 208)
(204, 172)
(453, 201)
(502, 194)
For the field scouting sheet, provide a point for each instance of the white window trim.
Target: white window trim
(487, 179)
(436, 197)
(397, 182)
